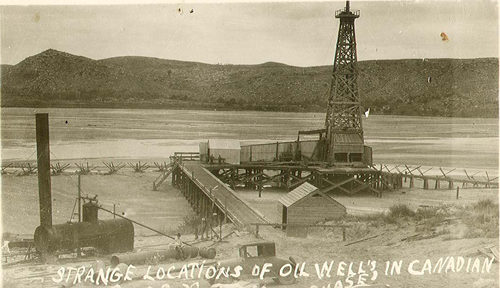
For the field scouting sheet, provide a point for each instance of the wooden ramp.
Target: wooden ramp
(163, 176)
(236, 209)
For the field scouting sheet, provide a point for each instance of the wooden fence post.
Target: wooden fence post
(277, 150)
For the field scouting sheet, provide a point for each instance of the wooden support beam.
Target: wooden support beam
(422, 173)
(437, 183)
(365, 185)
(445, 174)
(337, 185)
(303, 180)
(451, 170)
(397, 169)
(442, 172)
(412, 170)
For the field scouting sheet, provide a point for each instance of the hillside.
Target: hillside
(437, 87)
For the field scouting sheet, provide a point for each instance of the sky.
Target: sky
(294, 33)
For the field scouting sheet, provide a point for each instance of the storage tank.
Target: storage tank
(109, 236)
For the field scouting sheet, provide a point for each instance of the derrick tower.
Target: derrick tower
(344, 130)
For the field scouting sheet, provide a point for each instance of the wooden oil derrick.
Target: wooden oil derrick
(344, 130)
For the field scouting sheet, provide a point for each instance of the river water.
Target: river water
(155, 134)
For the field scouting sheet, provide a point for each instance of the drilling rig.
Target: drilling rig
(341, 142)
(343, 125)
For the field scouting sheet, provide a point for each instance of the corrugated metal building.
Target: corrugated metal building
(306, 204)
(227, 150)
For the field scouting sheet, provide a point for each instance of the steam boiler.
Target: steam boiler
(108, 236)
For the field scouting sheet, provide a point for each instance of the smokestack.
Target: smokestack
(43, 166)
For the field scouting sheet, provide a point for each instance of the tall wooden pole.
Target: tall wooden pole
(43, 166)
(78, 248)
(79, 200)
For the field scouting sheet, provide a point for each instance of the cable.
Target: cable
(142, 225)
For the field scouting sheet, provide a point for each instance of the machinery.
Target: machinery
(109, 236)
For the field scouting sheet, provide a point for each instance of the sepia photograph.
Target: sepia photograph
(249, 144)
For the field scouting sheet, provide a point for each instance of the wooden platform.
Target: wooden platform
(330, 179)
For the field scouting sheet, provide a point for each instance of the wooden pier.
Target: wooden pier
(208, 195)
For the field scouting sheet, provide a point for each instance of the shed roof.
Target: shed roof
(224, 144)
(299, 193)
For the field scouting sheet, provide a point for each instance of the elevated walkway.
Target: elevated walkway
(236, 209)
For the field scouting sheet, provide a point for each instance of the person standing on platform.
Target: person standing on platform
(197, 226)
(203, 228)
(213, 223)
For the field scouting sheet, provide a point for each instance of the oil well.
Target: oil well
(335, 161)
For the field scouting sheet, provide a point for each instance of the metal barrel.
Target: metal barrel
(207, 253)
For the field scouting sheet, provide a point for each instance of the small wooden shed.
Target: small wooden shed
(306, 204)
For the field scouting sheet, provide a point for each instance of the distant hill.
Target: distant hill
(434, 87)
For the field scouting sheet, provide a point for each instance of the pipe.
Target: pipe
(143, 257)
(43, 166)
(142, 225)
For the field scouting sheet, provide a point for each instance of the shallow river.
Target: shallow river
(156, 134)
